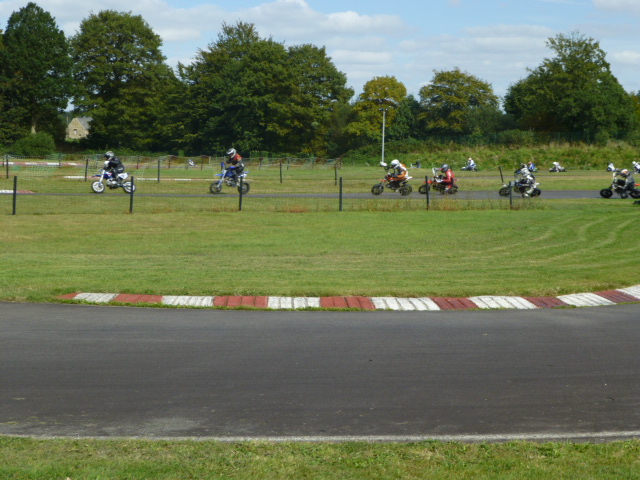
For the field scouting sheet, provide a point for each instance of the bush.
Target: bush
(34, 145)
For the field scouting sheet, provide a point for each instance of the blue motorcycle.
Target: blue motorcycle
(107, 179)
(229, 178)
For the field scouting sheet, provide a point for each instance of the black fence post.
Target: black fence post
(510, 195)
(158, 170)
(340, 193)
(133, 188)
(6, 162)
(280, 171)
(86, 168)
(240, 200)
(428, 191)
(15, 194)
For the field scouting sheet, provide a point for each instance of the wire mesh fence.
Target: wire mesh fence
(63, 184)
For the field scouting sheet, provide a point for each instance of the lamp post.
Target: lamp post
(384, 118)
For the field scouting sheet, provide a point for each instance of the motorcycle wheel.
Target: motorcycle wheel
(128, 187)
(215, 187)
(452, 191)
(635, 193)
(377, 189)
(245, 188)
(97, 187)
(423, 189)
(504, 192)
(606, 193)
(536, 192)
(405, 190)
(624, 195)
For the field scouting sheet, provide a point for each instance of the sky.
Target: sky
(493, 40)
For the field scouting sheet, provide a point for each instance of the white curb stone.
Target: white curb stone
(188, 301)
(288, 303)
(633, 291)
(489, 302)
(96, 297)
(585, 300)
(404, 304)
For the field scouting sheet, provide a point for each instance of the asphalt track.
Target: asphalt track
(114, 371)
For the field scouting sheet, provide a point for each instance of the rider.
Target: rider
(235, 160)
(630, 182)
(113, 165)
(471, 164)
(526, 179)
(399, 172)
(448, 178)
(531, 167)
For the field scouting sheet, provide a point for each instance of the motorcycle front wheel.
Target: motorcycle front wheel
(97, 187)
(606, 193)
(423, 189)
(244, 189)
(635, 193)
(377, 189)
(504, 192)
(215, 187)
(536, 192)
(405, 190)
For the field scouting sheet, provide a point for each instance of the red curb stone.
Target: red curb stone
(616, 296)
(128, 298)
(237, 301)
(362, 303)
(69, 296)
(451, 303)
(546, 302)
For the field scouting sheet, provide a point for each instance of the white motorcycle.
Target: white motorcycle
(108, 180)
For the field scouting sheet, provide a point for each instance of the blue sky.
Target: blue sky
(495, 40)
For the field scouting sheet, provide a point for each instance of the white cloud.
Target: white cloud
(618, 6)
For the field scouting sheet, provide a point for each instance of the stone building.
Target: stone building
(78, 128)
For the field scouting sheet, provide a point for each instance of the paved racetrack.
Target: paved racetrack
(80, 370)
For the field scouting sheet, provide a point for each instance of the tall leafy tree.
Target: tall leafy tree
(451, 98)
(36, 81)
(123, 80)
(574, 91)
(379, 102)
(255, 94)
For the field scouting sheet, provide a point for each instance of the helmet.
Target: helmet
(109, 154)
(444, 167)
(625, 172)
(231, 152)
(395, 163)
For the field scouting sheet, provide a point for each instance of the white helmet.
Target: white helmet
(231, 153)
(109, 154)
(395, 163)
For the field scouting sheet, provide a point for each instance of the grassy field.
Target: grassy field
(28, 459)
(202, 245)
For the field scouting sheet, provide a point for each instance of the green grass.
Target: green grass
(544, 248)
(26, 459)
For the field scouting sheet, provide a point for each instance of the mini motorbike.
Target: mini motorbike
(227, 177)
(557, 168)
(389, 182)
(520, 186)
(108, 180)
(619, 187)
(470, 167)
(636, 167)
(611, 167)
(436, 184)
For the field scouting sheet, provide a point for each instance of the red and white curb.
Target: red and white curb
(485, 302)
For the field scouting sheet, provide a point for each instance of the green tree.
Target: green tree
(255, 94)
(450, 100)
(380, 100)
(36, 81)
(123, 82)
(574, 91)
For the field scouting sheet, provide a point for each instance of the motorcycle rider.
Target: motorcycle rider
(525, 179)
(471, 164)
(448, 178)
(397, 171)
(531, 167)
(629, 181)
(236, 165)
(113, 165)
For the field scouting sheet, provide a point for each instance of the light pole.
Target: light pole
(384, 118)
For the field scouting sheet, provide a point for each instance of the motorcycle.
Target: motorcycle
(107, 179)
(619, 186)
(520, 186)
(557, 168)
(636, 167)
(611, 167)
(389, 182)
(226, 177)
(437, 185)
(470, 168)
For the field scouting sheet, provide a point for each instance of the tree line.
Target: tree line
(258, 95)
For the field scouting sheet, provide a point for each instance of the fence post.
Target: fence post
(6, 162)
(335, 168)
(280, 171)
(15, 194)
(86, 168)
(240, 201)
(133, 187)
(158, 170)
(428, 192)
(511, 195)
(340, 193)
